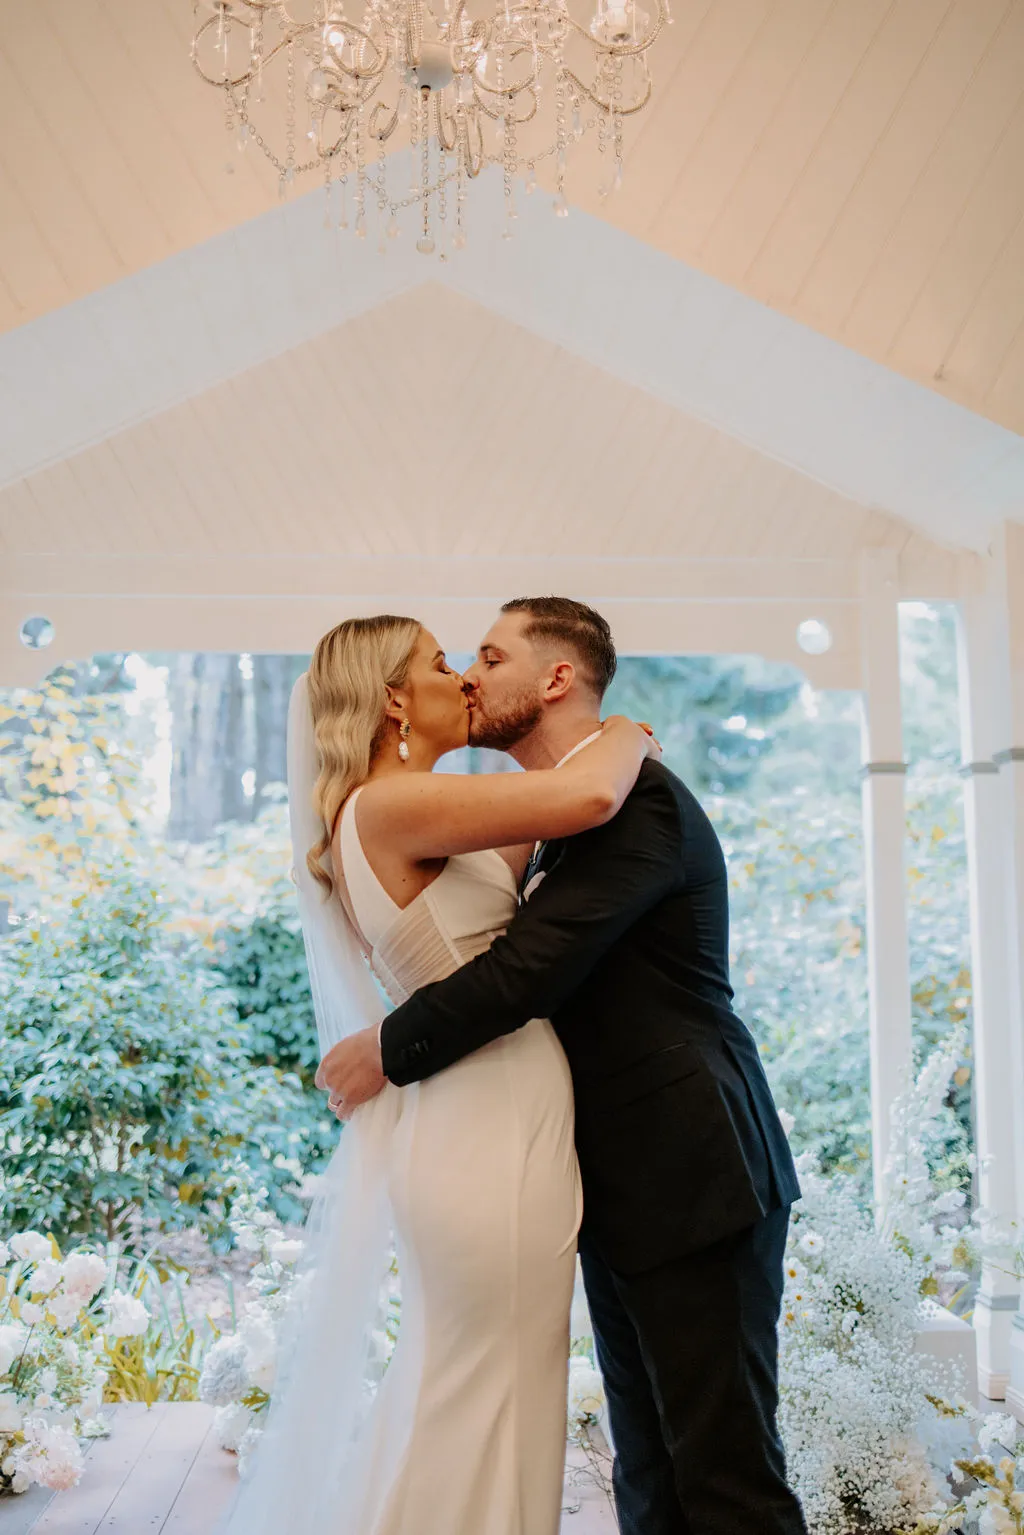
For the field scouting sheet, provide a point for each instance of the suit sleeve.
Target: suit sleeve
(605, 881)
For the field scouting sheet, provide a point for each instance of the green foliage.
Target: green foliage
(712, 714)
(126, 1078)
(262, 962)
(69, 774)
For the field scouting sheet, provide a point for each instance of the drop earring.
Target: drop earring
(404, 731)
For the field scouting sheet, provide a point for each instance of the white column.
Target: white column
(982, 689)
(883, 800)
(1006, 588)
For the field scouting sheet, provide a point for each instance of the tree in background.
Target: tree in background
(229, 718)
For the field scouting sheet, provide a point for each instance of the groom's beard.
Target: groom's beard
(517, 717)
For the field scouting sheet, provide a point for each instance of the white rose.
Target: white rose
(10, 1413)
(64, 1309)
(998, 1428)
(127, 1317)
(230, 1425)
(45, 1277)
(5, 1254)
(12, 1341)
(31, 1313)
(586, 1389)
(31, 1246)
(84, 1275)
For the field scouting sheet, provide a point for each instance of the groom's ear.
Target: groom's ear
(559, 681)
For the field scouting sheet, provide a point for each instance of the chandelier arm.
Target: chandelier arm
(611, 106)
(526, 84)
(232, 82)
(473, 165)
(348, 118)
(353, 71)
(383, 134)
(413, 32)
(446, 143)
(620, 50)
(475, 42)
(497, 116)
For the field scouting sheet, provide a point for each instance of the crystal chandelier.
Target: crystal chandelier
(462, 85)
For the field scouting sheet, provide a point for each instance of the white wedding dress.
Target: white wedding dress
(466, 1433)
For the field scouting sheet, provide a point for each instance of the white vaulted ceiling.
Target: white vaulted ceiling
(792, 347)
(857, 165)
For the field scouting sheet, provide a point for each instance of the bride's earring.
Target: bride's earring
(403, 746)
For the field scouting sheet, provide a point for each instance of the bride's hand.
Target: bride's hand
(351, 1072)
(654, 747)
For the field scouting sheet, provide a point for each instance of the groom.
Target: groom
(687, 1174)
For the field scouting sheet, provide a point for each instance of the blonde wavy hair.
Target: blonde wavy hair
(353, 665)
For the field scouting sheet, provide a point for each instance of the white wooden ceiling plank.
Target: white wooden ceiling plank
(789, 140)
(622, 430)
(210, 486)
(245, 420)
(967, 259)
(181, 507)
(305, 458)
(123, 100)
(356, 524)
(106, 514)
(154, 499)
(941, 194)
(359, 380)
(133, 224)
(901, 156)
(709, 171)
(236, 474)
(74, 235)
(347, 516)
(30, 272)
(709, 52)
(22, 523)
(1008, 384)
(868, 105)
(59, 525)
(985, 339)
(193, 112)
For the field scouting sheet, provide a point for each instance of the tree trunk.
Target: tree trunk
(272, 680)
(208, 739)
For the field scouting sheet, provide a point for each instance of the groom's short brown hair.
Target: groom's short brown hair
(581, 630)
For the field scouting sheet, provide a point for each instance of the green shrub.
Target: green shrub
(262, 962)
(125, 1076)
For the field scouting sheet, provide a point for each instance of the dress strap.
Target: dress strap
(369, 907)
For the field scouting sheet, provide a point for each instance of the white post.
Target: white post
(882, 778)
(982, 640)
(1006, 565)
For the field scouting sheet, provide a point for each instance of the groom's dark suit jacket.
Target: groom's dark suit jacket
(624, 946)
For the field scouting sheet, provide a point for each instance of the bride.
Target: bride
(472, 1173)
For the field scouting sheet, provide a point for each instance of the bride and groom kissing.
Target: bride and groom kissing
(562, 1066)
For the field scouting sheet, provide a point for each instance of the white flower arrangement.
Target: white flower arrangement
(853, 1392)
(51, 1375)
(240, 1367)
(860, 1409)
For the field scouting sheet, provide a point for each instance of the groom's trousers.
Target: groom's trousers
(689, 1356)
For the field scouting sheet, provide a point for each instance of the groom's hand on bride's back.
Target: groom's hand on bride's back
(351, 1073)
